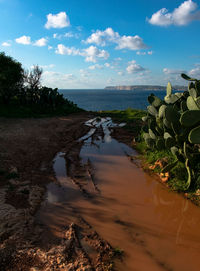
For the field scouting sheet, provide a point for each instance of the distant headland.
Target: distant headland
(145, 87)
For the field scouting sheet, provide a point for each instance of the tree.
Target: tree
(33, 77)
(32, 80)
(11, 77)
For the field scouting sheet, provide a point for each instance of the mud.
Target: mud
(97, 204)
(155, 228)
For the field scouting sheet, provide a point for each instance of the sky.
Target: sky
(96, 43)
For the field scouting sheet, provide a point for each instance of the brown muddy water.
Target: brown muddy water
(156, 229)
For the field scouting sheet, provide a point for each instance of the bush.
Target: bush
(11, 78)
(21, 93)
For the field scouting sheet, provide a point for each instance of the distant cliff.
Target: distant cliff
(145, 87)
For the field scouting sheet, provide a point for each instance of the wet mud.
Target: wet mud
(100, 186)
(96, 209)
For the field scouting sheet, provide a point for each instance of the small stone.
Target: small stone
(34, 269)
(13, 170)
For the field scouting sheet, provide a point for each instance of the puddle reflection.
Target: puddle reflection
(157, 229)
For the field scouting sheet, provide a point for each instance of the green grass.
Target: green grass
(125, 115)
(132, 118)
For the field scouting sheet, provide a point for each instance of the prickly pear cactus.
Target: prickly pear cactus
(174, 123)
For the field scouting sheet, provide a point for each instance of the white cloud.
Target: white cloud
(50, 47)
(144, 53)
(133, 67)
(6, 44)
(123, 42)
(26, 40)
(59, 20)
(50, 66)
(66, 35)
(172, 71)
(91, 53)
(183, 15)
(84, 73)
(195, 72)
(131, 43)
(107, 65)
(41, 42)
(120, 73)
(63, 50)
(110, 80)
(101, 37)
(96, 66)
(57, 79)
(141, 53)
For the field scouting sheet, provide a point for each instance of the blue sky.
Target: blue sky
(93, 43)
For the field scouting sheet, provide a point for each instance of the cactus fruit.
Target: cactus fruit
(190, 118)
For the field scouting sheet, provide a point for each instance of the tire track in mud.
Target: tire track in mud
(79, 247)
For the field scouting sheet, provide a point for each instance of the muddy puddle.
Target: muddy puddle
(98, 183)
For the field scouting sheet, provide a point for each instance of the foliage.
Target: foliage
(33, 77)
(21, 93)
(174, 124)
(11, 78)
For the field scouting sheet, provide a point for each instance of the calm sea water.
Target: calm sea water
(101, 99)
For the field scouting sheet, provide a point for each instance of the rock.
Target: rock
(14, 182)
(34, 269)
(13, 170)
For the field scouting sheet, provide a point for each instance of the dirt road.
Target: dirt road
(27, 151)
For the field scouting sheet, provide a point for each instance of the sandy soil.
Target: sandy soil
(27, 150)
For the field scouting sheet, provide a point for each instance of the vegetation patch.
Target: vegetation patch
(171, 131)
(132, 118)
(22, 95)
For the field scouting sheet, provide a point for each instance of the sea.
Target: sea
(103, 99)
